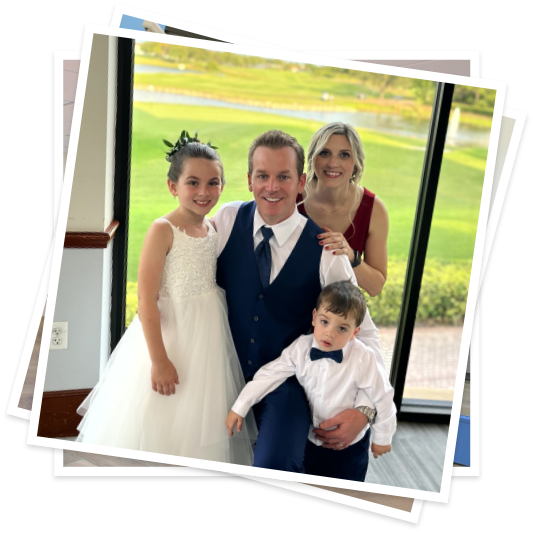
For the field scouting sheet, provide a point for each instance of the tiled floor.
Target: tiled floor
(416, 462)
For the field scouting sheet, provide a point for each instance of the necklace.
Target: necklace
(335, 210)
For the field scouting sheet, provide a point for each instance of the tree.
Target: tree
(423, 90)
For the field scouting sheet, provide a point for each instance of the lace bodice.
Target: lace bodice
(190, 266)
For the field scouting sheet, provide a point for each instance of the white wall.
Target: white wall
(89, 210)
(79, 302)
(84, 292)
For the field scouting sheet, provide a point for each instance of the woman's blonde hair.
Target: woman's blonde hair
(317, 144)
(319, 141)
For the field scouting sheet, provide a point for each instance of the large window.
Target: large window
(402, 123)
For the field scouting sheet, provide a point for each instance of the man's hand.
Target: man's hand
(349, 424)
(232, 419)
(378, 450)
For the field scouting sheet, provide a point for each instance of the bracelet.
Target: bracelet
(356, 259)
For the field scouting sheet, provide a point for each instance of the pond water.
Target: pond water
(383, 122)
(150, 69)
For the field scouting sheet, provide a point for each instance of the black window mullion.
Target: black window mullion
(121, 195)
(420, 237)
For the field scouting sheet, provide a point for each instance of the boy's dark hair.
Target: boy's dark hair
(345, 299)
(275, 139)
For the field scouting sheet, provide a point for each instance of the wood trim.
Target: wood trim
(58, 418)
(91, 239)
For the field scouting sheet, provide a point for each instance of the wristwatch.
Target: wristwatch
(368, 411)
(356, 259)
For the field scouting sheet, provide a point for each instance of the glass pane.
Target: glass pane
(439, 325)
(230, 99)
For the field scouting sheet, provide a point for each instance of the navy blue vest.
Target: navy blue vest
(265, 321)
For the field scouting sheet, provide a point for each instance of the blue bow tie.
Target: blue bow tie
(316, 354)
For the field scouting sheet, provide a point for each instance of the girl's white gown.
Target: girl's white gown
(123, 410)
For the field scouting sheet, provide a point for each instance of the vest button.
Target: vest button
(252, 340)
(260, 296)
(256, 318)
(250, 363)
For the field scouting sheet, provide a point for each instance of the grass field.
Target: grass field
(280, 88)
(392, 170)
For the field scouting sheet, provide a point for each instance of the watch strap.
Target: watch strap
(356, 259)
(368, 411)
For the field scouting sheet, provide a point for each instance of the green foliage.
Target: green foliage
(423, 90)
(183, 141)
(132, 302)
(442, 296)
(212, 66)
(475, 96)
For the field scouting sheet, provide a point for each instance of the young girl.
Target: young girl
(175, 374)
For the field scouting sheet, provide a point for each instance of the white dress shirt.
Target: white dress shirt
(330, 387)
(332, 267)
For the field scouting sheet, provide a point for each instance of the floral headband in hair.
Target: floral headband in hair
(183, 141)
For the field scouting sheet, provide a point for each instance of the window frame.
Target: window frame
(413, 410)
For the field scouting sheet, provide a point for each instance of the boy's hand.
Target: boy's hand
(378, 450)
(233, 418)
(164, 377)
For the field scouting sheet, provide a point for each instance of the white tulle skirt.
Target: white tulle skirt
(123, 410)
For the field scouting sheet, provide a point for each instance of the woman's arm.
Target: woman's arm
(371, 274)
(157, 243)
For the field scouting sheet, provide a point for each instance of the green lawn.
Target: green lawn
(393, 168)
(283, 88)
(268, 86)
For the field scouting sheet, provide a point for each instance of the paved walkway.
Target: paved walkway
(434, 355)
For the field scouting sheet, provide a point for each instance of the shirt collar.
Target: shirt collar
(283, 230)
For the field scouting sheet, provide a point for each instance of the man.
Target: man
(273, 269)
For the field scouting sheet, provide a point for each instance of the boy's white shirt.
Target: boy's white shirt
(332, 267)
(330, 387)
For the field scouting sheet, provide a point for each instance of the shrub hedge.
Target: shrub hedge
(442, 296)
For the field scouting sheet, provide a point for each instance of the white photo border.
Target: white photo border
(304, 58)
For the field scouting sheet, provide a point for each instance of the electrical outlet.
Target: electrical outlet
(59, 339)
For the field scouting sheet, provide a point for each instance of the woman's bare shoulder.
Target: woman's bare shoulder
(379, 206)
(379, 219)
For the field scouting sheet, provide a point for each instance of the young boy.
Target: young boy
(331, 365)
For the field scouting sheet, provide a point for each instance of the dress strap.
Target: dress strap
(169, 223)
(210, 226)
(173, 232)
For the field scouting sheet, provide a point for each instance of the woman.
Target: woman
(354, 219)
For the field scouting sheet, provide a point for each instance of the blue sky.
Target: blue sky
(133, 23)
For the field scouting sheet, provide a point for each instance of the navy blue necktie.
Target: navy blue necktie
(263, 257)
(316, 354)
